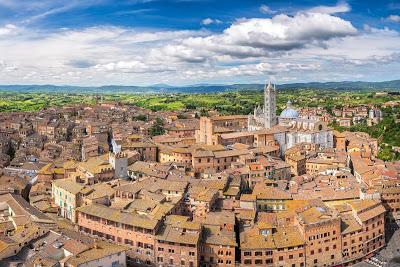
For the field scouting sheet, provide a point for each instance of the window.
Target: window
(191, 253)
(160, 259)
(332, 257)
(247, 253)
(315, 261)
(258, 253)
(160, 249)
(290, 257)
(280, 258)
(182, 262)
(258, 261)
(312, 252)
(248, 262)
(269, 261)
(171, 261)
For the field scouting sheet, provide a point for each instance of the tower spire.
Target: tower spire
(269, 105)
(268, 86)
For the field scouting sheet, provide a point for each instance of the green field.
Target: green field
(236, 102)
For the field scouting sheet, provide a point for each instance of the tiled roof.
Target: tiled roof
(69, 185)
(119, 216)
(170, 234)
(215, 236)
(101, 251)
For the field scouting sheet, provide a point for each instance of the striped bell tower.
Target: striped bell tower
(270, 105)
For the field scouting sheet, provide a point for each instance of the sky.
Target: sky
(184, 42)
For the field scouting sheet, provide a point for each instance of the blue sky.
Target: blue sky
(141, 42)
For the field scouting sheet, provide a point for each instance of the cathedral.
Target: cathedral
(264, 118)
(291, 128)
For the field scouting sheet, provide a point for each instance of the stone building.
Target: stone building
(218, 125)
(294, 128)
(264, 118)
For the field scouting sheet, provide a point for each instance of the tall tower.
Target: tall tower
(269, 105)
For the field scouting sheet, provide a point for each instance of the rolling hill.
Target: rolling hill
(202, 88)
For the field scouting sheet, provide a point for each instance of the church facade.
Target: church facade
(297, 129)
(265, 117)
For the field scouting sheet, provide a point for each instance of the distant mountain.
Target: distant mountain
(201, 88)
(161, 85)
(358, 85)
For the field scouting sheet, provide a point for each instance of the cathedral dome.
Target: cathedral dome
(289, 112)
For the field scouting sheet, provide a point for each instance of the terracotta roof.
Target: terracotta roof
(229, 117)
(349, 224)
(216, 236)
(171, 234)
(261, 191)
(219, 218)
(119, 216)
(101, 251)
(69, 185)
(283, 237)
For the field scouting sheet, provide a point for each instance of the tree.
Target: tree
(140, 117)
(204, 113)
(11, 151)
(157, 128)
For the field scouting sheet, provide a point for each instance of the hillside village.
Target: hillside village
(121, 185)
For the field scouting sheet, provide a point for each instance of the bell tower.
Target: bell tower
(269, 105)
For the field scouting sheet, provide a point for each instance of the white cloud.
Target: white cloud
(9, 29)
(266, 10)
(4, 67)
(306, 46)
(262, 37)
(394, 18)
(134, 66)
(209, 21)
(340, 7)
